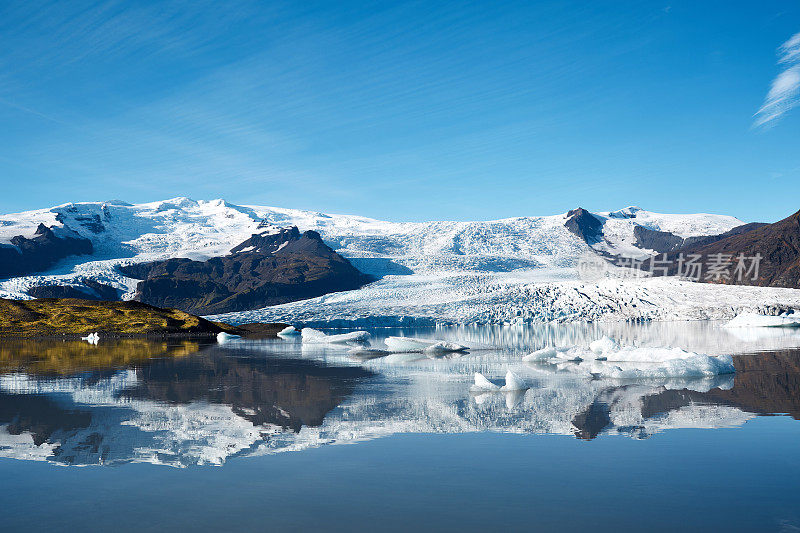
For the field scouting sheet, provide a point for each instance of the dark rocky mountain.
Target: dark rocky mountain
(585, 225)
(778, 245)
(272, 267)
(42, 251)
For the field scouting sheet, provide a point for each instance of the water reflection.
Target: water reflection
(61, 357)
(183, 404)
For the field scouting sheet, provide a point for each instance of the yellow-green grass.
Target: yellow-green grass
(54, 317)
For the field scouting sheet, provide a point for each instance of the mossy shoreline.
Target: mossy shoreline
(70, 319)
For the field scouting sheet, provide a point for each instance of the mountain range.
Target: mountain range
(212, 257)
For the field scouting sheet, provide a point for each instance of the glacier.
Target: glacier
(510, 271)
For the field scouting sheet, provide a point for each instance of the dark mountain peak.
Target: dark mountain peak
(40, 252)
(41, 229)
(277, 265)
(274, 240)
(578, 212)
(268, 241)
(585, 225)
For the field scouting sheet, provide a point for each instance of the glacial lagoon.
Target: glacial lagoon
(263, 434)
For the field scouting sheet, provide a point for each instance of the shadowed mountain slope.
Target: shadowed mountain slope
(272, 267)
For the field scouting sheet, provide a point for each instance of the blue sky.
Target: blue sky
(404, 111)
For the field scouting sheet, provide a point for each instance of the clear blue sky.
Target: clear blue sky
(403, 111)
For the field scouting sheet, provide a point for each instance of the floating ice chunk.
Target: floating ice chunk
(691, 366)
(288, 331)
(513, 383)
(313, 336)
(631, 362)
(411, 344)
(223, 337)
(695, 366)
(91, 338)
(648, 355)
(576, 354)
(443, 347)
(483, 385)
(407, 344)
(573, 353)
(601, 346)
(541, 355)
(753, 320)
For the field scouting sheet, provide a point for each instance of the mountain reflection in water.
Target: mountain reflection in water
(184, 404)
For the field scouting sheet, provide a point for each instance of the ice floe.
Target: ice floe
(432, 346)
(288, 331)
(605, 358)
(542, 355)
(223, 337)
(513, 383)
(753, 320)
(91, 338)
(601, 346)
(313, 336)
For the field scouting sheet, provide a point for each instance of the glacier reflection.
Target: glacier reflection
(261, 397)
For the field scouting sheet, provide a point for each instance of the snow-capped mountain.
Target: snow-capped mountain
(516, 269)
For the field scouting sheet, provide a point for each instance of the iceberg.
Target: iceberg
(412, 344)
(91, 338)
(694, 366)
(483, 385)
(601, 346)
(443, 347)
(542, 355)
(573, 353)
(513, 383)
(606, 359)
(288, 331)
(648, 355)
(753, 320)
(688, 365)
(313, 336)
(223, 337)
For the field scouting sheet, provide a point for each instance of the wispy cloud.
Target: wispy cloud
(784, 94)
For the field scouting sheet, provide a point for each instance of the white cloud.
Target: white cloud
(784, 93)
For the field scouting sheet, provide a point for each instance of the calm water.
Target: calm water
(142, 435)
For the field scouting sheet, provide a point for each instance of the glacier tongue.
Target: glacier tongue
(518, 298)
